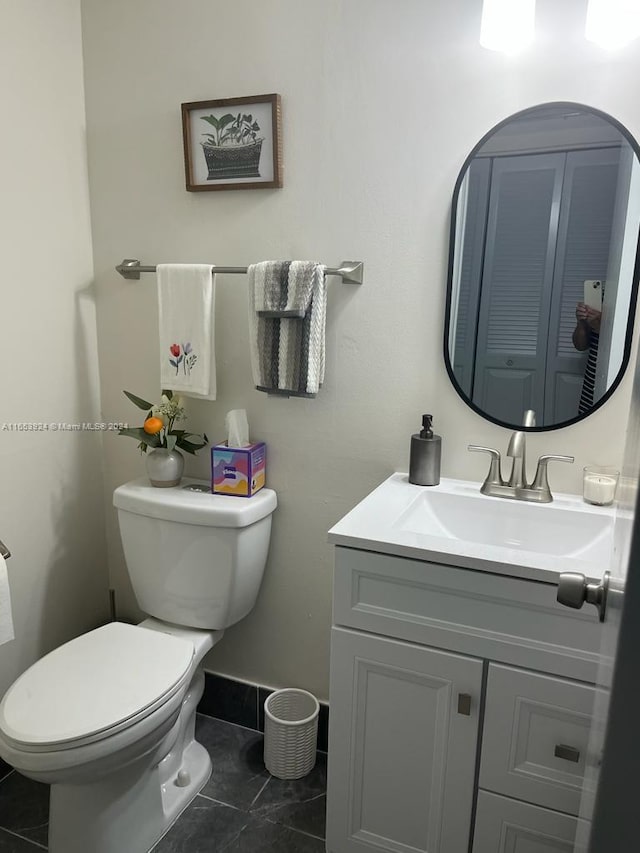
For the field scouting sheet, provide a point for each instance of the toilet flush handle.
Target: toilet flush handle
(5, 553)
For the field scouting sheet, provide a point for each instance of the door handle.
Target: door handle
(573, 591)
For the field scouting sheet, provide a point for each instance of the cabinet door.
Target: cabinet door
(509, 826)
(402, 746)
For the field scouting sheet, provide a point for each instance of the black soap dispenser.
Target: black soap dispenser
(424, 461)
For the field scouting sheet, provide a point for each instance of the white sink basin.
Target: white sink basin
(455, 524)
(554, 529)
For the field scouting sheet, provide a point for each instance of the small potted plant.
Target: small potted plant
(233, 150)
(161, 441)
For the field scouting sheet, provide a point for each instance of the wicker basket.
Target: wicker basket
(234, 161)
(290, 733)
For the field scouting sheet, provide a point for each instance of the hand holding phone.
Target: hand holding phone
(593, 294)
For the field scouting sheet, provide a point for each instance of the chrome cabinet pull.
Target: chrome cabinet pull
(464, 704)
(568, 753)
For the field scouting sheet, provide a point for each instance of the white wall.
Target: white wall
(382, 101)
(51, 511)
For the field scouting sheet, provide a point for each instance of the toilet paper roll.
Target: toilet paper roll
(6, 620)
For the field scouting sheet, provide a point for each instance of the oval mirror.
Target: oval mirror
(543, 266)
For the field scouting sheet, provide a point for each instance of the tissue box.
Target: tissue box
(240, 471)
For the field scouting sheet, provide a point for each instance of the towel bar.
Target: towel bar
(4, 551)
(349, 271)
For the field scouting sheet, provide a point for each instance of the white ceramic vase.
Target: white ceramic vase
(164, 467)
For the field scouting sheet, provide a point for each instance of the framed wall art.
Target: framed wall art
(233, 143)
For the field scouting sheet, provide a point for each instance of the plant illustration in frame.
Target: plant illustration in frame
(233, 150)
(233, 143)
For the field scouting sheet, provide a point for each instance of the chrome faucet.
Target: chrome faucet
(517, 450)
(517, 487)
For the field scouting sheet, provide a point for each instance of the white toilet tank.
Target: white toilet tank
(195, 559)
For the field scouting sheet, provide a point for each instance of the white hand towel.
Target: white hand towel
(186, 302)
(6, 621)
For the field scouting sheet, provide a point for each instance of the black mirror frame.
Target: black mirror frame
(452, 231)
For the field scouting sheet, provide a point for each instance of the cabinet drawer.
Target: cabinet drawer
(504, 825)
(535, 739)
(492, 616)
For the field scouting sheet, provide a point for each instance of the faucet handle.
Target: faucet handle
(494, 477)
(541, 481)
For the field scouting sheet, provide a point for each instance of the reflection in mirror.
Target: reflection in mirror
(542, 276)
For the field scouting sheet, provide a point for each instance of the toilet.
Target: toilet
(108, 718)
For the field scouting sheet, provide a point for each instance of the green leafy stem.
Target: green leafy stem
(168, 436)
(231, 130)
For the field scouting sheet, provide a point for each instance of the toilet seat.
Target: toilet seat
(94, 686)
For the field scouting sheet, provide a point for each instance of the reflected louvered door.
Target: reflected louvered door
(517, 280)
(584, 237)
(473, 242)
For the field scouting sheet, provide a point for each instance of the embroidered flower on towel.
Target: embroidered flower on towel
(183, 355)
(190, 358)
(177, 357)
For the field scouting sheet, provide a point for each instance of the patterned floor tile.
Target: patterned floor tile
(24, 807)
(204, 826)
(10, 843)
(238, 773)
(260, 836)
(299, 804)
(242, 808)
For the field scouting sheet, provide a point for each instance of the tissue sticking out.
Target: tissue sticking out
(238, 467)
(237, 427)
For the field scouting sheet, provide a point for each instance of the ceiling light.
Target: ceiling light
(507, 25)
(612, 23)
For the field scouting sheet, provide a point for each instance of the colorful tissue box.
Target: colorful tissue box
(240, 471)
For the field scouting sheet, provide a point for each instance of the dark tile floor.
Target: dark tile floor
(241, 809)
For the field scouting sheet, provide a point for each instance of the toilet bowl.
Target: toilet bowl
(108, 719)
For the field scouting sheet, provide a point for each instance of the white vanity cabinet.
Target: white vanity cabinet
(460, 709)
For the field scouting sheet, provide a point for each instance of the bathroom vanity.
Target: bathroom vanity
(461, 691)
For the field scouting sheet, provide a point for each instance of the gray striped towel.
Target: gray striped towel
(287, 314)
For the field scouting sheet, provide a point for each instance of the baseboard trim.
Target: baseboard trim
(242, 703)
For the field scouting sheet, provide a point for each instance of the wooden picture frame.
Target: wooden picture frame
(233, 143)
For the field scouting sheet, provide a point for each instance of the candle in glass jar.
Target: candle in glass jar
(599, 488)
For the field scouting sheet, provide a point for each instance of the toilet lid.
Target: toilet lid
(93, 684)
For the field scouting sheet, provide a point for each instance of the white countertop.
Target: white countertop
(392, 520)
